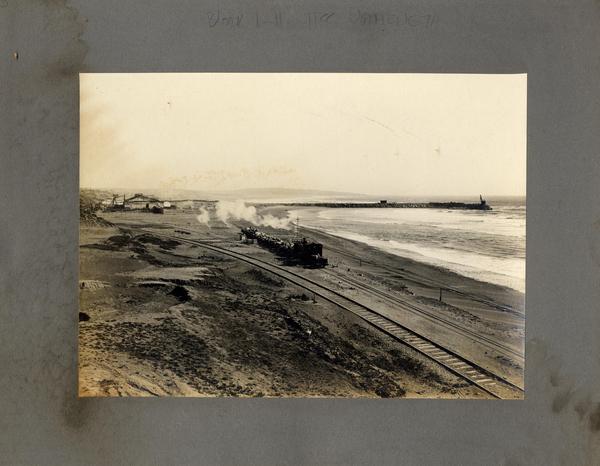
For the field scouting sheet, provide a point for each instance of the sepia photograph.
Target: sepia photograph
(316, 235)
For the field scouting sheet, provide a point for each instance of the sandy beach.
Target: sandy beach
(162, 317)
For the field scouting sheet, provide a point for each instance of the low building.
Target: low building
(140, 201)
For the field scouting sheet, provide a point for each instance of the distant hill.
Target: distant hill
(253, 194)
(282, 195)
(287, 193)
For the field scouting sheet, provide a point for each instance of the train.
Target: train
(297, 252)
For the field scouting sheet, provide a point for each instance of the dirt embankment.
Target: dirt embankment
(89, 204)
(166, 318)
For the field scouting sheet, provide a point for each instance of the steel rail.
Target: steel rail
(508, 351)
(435, 284)
(488, 382)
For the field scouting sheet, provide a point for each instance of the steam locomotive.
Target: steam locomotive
(298, 252)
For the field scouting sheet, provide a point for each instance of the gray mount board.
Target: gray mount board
(45, 44)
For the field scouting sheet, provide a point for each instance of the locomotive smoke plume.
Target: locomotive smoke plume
(203, 216)
(238, 210)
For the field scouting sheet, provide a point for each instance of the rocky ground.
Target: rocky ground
(166, 318)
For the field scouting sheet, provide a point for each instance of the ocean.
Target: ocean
(485, 245)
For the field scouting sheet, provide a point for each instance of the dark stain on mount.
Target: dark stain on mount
(561, 400)
(595, 419)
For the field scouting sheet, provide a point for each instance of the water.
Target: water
(485, 245)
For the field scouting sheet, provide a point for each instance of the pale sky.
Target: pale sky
(402, 134)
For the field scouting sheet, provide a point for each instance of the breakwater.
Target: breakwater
(393, 205)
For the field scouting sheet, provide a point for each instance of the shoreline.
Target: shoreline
(154, 300)
(514, 297)
(172, 322)
(423, 263)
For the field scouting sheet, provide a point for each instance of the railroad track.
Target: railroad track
(491, 384)
(433, 284)
(405, 305)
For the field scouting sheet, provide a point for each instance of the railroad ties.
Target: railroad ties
(488, 382)
(493, 385)
(422, 312)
